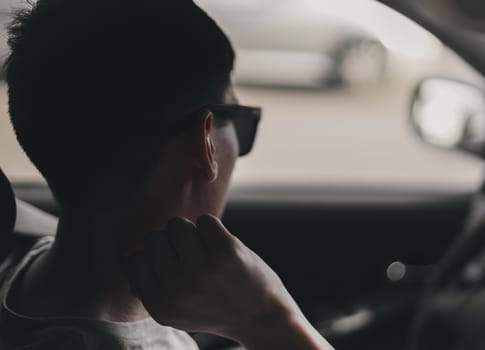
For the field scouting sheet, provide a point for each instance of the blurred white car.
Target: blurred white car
(268, 37)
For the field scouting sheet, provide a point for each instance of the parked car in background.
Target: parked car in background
(297, 43)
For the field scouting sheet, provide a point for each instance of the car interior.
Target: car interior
(367, 255)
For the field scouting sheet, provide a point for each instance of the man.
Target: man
(126, 108)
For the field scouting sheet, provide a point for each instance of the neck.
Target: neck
(80, 276)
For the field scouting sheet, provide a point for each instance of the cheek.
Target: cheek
(227, 150)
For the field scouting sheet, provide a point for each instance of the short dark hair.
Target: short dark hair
(93, 83)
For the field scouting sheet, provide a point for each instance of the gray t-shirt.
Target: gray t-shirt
(23, 332)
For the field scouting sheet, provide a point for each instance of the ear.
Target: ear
(205, 149)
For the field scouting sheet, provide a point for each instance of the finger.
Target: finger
(187, 243)
(162, 257)
(215, 236)
(142, 281)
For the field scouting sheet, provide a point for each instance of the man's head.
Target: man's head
(97, 86)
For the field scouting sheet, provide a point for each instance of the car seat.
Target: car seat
(21, 224)
(8, 208)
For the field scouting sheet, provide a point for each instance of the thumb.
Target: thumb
(215, 236)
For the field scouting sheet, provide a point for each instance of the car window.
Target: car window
(335, 80)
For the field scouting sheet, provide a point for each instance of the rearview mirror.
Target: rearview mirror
(450, 114)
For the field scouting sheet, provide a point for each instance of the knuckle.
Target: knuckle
(180, 224)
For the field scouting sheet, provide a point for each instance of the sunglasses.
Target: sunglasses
(245, 120)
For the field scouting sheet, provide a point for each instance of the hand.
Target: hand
(205, 279)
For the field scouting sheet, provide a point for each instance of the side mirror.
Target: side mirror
(450, 114)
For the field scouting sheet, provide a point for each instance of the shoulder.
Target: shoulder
(58, 338)
(62, 338)
(179, 340)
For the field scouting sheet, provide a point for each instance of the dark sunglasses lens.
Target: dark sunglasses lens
(246, 133)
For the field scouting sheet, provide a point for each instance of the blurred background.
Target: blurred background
(335, 80)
